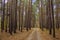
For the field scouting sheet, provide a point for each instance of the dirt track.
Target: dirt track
(37, 34)
(34, 34)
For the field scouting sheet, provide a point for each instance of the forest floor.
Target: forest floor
(18, 36)
(37, 34)
(46, 36)
(34, 34)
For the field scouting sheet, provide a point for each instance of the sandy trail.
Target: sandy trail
(34, 35)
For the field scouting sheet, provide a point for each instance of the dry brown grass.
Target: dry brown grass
(17, 36)
(45, 35)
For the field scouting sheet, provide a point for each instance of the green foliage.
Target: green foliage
(25, 2)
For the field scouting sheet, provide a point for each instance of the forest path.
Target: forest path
(34, 35)
(38, 34)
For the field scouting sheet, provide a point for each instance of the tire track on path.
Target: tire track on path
(34, 35)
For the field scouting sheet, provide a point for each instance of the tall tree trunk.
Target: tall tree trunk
(29, 13)
(6, 17)
(57, 15)
(53, 18)
(15, 15)
(19, 14)
(42, 15)
(3, 15)
(49, 17)
(26, 16)
(11, 17)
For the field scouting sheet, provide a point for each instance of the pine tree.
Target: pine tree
(3, 15)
